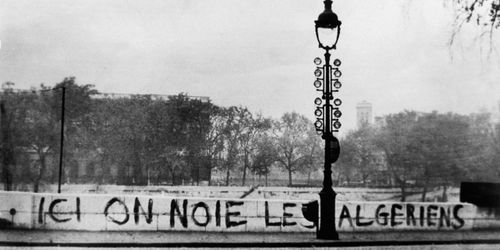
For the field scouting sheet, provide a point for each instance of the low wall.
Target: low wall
(100, 212)
(278, 193)
(354, 194)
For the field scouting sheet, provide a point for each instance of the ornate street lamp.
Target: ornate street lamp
(328, 28)
(327, 115)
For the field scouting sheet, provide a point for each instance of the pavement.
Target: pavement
(40, 239)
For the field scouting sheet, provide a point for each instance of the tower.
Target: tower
(363, 114)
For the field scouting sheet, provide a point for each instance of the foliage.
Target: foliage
(395, 143)
(483, 13)
(313, 151)
(9, 132)
(359, 154)
(265, 155)
(232, 129)
(37, 115)
(291, 141)
(143, 139)
(423, 150)
(479, 12)
(252, 126)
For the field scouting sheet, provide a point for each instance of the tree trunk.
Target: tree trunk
(403, 191)
(347, 180)
(424, 192)
(209, 172)
(339, 180)
(172, 172)
(290, 177)
(148, 175)
(266, 178)
(244, 170)
(138, 177)
(38, 178)
(121, 176)
(309, 178)
(6, 149)
(7, 176)
(197, 166)
(402, 185)
(364, 176)
(158, 177)
(444, 197)
(227, 177)
(197, 176)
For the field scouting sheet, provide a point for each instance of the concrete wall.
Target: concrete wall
(279, 193)
(101, 212)
(397, 216)
(353, 194)
(97, 212)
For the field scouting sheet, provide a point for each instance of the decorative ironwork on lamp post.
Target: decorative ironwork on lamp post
(328, 114)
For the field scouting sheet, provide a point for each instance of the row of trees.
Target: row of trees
(142, 139)
(424, 150)
(30, 128)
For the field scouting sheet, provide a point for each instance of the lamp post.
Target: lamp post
(61, 142)
(327, 121)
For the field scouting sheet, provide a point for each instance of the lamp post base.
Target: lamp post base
(327, 236)
(327, 229)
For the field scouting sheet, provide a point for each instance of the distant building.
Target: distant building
(364, 114)
(379, 121)
(153, 96)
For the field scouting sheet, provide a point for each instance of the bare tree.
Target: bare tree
(291, 137)
(252, 126)
(265, 156)
(485, 14)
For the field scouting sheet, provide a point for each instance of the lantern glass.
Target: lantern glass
(327, 37)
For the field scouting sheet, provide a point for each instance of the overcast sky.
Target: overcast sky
(256, 53)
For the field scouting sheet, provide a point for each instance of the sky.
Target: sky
(257, 53)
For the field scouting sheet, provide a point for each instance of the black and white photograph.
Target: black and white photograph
(250, 124)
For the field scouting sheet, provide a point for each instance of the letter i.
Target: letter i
(78, 213)
(40, 210)
(422, 216)
(217, 214)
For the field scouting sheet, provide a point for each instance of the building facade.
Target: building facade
(364, 114)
